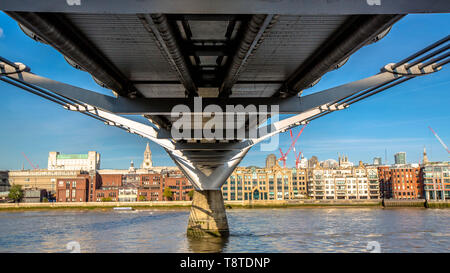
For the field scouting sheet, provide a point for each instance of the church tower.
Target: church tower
(147, 163)
(425, 157)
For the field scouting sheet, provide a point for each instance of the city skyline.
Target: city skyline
(396, 120)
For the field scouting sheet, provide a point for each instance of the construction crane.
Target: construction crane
(24, 155)
(297, 157)
(440, 140)
(283, 157)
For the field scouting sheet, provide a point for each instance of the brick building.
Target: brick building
(402, 181)
(384, 178)
(41, 178)
(178, 184)
(72, 189)
(108, 187)
(150, 187)
(129, 186)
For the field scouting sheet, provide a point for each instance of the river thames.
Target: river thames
(251, 230)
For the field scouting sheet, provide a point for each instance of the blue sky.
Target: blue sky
(395, 120)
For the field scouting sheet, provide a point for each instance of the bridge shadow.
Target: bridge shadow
(207, 245)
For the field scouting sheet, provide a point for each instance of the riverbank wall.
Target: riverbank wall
(229, 204)
(96, 205)
(302, 203)
(420, 203)
(437, 204)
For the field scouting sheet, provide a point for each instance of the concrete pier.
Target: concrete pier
(208, 217)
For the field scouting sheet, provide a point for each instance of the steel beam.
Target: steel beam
(254, 33)
(210, 146)
(164, 106)
(352, 35)
(158, 25)
(290, 7)
(62, 35)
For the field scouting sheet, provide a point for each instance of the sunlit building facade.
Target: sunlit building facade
(347, 183)
(41, 179)
(401, 181)
(67, 162)
(436, 179)
(274, 183)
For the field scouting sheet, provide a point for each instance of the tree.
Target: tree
(106, 199)
(191, 194)
(168, 193)
(142, 198)
(15, 193)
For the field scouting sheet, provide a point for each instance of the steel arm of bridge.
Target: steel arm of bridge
(212, 177)
(305, 107)
(164, 106)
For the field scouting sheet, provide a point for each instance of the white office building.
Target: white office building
(84, 162)
(359, 182)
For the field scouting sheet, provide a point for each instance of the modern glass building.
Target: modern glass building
(400, 158)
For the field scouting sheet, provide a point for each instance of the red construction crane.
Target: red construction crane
(297, 157)
(30, 161)
(439, 139)
(284, 156)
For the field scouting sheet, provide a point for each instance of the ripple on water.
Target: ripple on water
(261, 230)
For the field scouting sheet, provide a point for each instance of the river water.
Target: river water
(251, 230)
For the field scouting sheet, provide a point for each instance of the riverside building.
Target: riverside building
(41, 178)
(401, 181)
(125, 186)
(344, 183)
(73, 189)
(4, 182)
(60, 166)
(436, 179)
(274, 183)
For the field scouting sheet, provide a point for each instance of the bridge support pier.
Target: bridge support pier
(208, 217)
